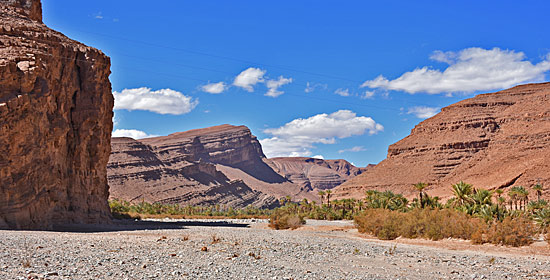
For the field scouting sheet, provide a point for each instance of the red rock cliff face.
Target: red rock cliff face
(217, 165)
(183, 168)
(494, 140)
(315, 174)
(55, 123)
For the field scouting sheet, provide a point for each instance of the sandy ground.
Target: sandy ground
(248, 249)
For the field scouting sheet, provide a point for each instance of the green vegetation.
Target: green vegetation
(472, 214)
(125, 209)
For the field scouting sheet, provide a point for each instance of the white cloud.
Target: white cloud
(354, 149)
(423, 112)
(311, 87)
(162, 101)
(298, 137)
(273, 86)
(469, 70)
(132, 133)
(248, 78)
(368, 94)
(318, 157)
(214, 88)
(342, 92)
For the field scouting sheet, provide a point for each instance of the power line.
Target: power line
(205, 81)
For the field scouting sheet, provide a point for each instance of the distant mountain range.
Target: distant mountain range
(217, 165)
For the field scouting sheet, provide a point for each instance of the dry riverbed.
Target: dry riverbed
(247, 249)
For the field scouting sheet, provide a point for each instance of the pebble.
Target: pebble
(253, 252)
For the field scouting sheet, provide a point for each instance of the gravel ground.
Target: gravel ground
(244, 249)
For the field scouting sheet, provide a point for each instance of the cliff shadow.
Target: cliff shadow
(263, 172)
(132, 225)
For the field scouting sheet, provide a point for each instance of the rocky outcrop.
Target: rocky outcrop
(217, 165)
(314, 174)
(174, 170)
(55, 123)
(494, 140)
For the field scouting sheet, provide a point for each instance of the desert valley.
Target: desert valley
(464, 195)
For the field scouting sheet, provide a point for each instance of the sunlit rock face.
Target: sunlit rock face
(55, 123)
(493, 140)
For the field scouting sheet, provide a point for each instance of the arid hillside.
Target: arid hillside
(217, 165)
(55, 123)
(494, 140)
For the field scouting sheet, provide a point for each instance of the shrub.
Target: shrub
(512, 231)
(284, 219)
(432, 224)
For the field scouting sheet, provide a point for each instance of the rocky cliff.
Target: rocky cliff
(314, 174)
(494, 140)
(217, 165)
(182, 168)
(55, 123)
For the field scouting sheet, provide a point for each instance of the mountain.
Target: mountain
(217, 165)
(56, 111)
(493, 141)
(314, 174)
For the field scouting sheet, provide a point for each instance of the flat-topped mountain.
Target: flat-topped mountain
(55, 123)
(493, 140)
(216, 165)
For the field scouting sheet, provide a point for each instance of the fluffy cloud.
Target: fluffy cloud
(162, 101)
(214, 88)
(423, 112)
(248, 78)
(132, 133)
(354, 149)
(368, 94)
(342, 92)
(469, 70)
(318, 157)
(311, 87)
(298, 137)
(273, 86)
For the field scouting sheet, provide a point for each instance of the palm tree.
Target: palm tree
(482, 197)
(322, 195)
(328, 193)
(462, 192)
(538, 189)
(513, 194)
(420, 188)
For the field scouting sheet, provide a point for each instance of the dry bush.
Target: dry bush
(282, 219)
(432, 224)
(512, 231)
(384, 224)
(437, 224)
(215, 239)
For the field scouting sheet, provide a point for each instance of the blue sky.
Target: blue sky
(339, 79)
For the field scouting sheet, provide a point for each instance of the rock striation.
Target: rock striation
(314, 174)
(55, 123)
(217, 165)
(494, 140)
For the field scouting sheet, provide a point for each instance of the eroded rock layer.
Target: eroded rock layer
(314, 174)
(181, 168)
(55, 123)
(494, 140)
(217, 165)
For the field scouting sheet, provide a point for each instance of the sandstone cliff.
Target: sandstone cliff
(217, 165)
(314, 174)
(55, 123)
(181, 168)
(494, 140)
